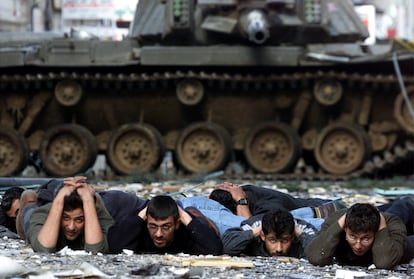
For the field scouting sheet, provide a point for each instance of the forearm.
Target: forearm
(244, 211)
(93, 230)
(49, 233)
(321, 249)
(124, 234)
(236, 240)
(389, 241)
(237, 194)
(305, 232)
(206, 241)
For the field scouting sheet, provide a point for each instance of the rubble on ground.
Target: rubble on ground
(17, 259)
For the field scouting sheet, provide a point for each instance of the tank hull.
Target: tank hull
(237, 99)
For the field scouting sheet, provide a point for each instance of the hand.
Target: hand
(66, 190)
(143, 214)
(235, 190)
(185, 218)
(85, 191)
(298, 231)
(341, 221)
(383, 223)
(74, 180)
(256, 231)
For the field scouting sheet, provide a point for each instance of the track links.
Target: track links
(378, 163)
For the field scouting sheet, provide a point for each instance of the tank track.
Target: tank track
(376, 164)
(245, 80)
(379, 163)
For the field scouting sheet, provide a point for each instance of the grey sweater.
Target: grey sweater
(39, 217)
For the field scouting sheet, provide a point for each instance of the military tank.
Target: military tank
(283, 86)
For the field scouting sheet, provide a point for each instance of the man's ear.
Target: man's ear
(262, 235)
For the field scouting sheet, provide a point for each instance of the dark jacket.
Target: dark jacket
(262, 200)
(120, 204)
(237, 241)
(330, 245)
(7, 222)
(131, 233)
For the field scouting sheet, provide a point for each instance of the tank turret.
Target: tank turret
(270, 22)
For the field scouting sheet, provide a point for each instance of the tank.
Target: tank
(281, 86)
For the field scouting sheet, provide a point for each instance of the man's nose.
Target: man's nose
(71, 225)
(158, 232)
(278, 246)
(358, 244)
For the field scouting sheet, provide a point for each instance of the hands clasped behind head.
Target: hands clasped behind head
(77, 183)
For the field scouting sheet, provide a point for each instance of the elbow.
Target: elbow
(318, 259)
(313, 260)
(386, 263)
(318, 262)
(231, 252)
(218, 250)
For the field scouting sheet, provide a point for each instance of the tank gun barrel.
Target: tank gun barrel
(254, 24)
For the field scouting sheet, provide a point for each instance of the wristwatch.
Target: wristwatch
(242, 202)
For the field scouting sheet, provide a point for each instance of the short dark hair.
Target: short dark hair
(72, 202)
(162, 207)
(362, 217)
(224, 198)
(279, 222)
(9, 196)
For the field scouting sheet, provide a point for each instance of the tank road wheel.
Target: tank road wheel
(401, 111)
(272, 147)
(135, 147)
(190, 92)
(67, 150)
(203, 147)
(68, 92)
(342, 147)
(328, 92)
(14, 153)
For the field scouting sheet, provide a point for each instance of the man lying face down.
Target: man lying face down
(72, 219)
(275, 233)
(361, 236)
(163, 227)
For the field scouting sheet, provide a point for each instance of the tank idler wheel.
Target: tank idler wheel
(135, 147)
(203, 147)
(67, 150)
(342, 148)
(272, 148)
(68, 92)
(14, 153)
(328, 92)
(402, 112)
(190, 92)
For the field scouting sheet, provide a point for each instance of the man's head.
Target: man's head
(73, 219)
(278, 232)
(224, 198)
(162, 220)
(361, 223)
(10, 204)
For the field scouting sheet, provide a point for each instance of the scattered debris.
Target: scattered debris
(208, 261)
